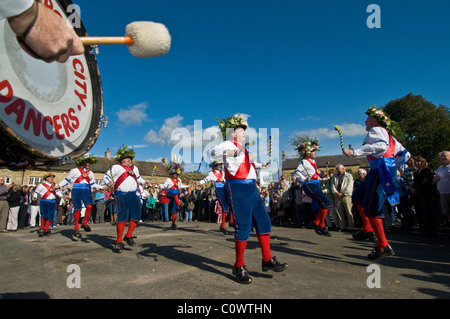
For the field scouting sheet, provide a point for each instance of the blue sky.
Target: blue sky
(299, 67)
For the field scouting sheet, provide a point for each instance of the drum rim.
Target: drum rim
(93, 133)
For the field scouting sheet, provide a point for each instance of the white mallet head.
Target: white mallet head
(150, 39)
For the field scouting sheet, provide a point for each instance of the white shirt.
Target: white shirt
(129, 184)
(169, 183)
(11, 8)
(305, 170)
(42, 190)
(377, 143)
(211, 178)
(73, 176)
(232, 163)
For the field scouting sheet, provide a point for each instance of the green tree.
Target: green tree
(426, 126)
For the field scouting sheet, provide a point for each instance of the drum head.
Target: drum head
(48, 111)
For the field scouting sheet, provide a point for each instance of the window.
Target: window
(33, 181)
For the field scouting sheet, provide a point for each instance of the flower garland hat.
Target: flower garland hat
(216, 163)
(175, 166)
(86, 159)
(391, 126)
(124, 152)
(232, 122)
(48, 175)
(307, 146)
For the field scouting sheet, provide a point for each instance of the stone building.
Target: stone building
(154, 172)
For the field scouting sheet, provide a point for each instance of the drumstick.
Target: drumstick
(340, 136)
(145, 39)
(106, 40)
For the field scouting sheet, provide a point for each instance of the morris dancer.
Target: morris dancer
(83, 180)
(309, 175)
(242, 196)
(217, 177)
(173, 185)
(47, 204)
(384, 153)
(125, 178)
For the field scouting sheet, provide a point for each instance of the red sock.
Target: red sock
(377, 225)
(174, 218)
(131, 226)
(224, 216)
(120, 228)
(76, 218)
(230, 222)
(47, 225)
(239, 247)
(43, 220)
(177, 200)
(365, 220)
(264, 242)
(87, 213)
(320, 219)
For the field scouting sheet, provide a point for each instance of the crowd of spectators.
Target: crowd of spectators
(424, 202)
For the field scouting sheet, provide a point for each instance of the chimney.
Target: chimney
(283, 156)
(108, 154)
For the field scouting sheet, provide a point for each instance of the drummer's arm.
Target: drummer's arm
(46, 34)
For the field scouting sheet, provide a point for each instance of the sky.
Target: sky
(291, 67)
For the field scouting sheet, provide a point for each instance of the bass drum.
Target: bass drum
(49, 112)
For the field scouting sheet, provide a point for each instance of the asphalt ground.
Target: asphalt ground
(194, 262)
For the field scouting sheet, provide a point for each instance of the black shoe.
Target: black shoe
(223, 230)
(47, 233)
(118, 247)
(377, 253)
(273, 265)
(174, 226)
(86, 228)
(241, 274)
(129, 241)
(41, 232)
(322, 231)
(360, 235)
(76, 233)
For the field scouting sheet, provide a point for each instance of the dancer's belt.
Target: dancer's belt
(241, 181)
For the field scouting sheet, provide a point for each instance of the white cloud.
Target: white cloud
(347, 129)
(133, 115)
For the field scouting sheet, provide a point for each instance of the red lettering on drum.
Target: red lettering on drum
(66, 125)
(49, 4)
(44, 127)
(35, 119)
(76, 122)
(5, 98)
(79, 70)
(57, 127)
(17, 107)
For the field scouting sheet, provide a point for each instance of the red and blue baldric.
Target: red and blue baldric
(129, 171)
(384, 166)
(50, 191)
